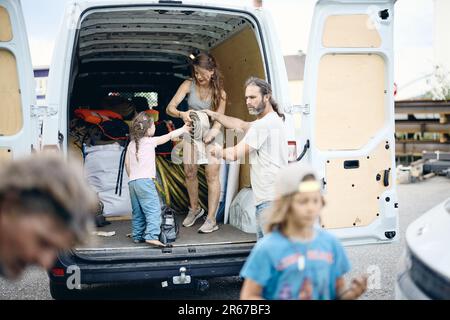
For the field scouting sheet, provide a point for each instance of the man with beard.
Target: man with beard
(45, 207)
(265, 141)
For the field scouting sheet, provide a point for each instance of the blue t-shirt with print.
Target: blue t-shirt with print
(288, 269)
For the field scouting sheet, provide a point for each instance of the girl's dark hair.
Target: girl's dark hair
(208, 62)
(141, 123)
(265, 89)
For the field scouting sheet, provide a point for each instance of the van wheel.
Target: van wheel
(59, 291)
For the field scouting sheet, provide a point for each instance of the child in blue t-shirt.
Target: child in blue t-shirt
(297, 260)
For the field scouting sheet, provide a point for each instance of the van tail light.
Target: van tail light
(58, 272)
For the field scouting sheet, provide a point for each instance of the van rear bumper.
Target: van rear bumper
(146, 271)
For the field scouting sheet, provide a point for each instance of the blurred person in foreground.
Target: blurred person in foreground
(297, 259)
(45, 207)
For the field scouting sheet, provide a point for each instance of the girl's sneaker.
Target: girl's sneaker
(192, 217)
(208, 227)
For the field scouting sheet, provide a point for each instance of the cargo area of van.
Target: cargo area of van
(132, 59)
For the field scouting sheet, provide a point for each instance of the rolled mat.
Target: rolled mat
(200, 125)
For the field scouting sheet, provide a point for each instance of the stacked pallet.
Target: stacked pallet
(421, 135)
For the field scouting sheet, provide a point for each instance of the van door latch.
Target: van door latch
(182, 278)
(301, 108)
(386, 178)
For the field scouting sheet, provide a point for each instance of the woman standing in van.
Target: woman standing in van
(205, 92)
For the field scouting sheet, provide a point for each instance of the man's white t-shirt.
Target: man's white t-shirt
(268, 154)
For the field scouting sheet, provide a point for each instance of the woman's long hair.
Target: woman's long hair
(265, 89)
(139, 127)
(208, 62)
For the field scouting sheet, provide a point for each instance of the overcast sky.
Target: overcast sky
(292, 18)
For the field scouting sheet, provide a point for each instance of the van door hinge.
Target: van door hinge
(36, 111)
(301, 108)
(41, 111)
(51, 111)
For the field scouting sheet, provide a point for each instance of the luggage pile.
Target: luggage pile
(102, 167)
(102, 137)
(119, 105)
(98, 127)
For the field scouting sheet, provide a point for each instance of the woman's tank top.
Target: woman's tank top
(194, 101)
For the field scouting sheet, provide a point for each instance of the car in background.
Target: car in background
(425, 268)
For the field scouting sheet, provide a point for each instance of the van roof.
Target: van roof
(86, 4)
(133, 35)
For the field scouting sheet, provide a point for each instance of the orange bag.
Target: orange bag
(96, 116)
(154, 114)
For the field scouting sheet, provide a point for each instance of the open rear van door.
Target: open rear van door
(348, 117)
(17, 95)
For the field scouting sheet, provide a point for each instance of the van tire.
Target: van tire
(59, 291)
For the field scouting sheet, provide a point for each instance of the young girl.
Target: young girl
(298, 260)
(140, 163)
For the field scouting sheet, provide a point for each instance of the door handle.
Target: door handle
(386, 178)
(351, 164)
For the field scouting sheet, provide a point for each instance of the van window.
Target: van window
(151, 97)
(5, 26)
(11, 119)
(350, 31)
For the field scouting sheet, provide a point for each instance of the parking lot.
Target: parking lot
(414, 200)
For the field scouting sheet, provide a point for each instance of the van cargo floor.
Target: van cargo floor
(187, 236)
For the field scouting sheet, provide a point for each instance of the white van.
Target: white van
(345, 128)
